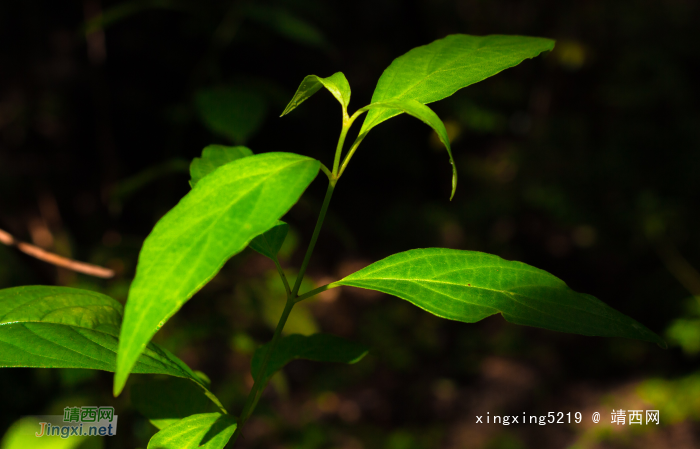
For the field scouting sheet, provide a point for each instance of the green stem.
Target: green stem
(314, 237)
(314, 292)
(260, 379)
(353, 148)
(284, 278)
(327, 172)
(341, 141)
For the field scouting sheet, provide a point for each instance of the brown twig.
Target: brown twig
(55, 259)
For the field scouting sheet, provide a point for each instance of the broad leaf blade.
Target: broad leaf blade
(213, 157)
(437, 70)
(336, 84)
(317, 347)
(269, 242)
(427, 116)
(166, 401)
(235, 113)
(469, 286)
(61, 327)
(190, 244)
(205, 430)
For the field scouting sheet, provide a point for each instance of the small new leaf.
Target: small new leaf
(427, 116)
(269, 242)
(469, 286)
(316, 347)
(190, 244)
(203, 431)
(336, 84)
(213, 157)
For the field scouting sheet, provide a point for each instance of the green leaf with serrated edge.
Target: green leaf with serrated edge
(269, 242)
(468, 286)
(427, 116)
(62, 327)
(166, 401)
(213, 157)
(190, 244)
(233, 112)
(437, 70)
(316, 347)
(336, 84)
(205, 431)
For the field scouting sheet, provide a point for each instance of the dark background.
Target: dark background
(583, 162)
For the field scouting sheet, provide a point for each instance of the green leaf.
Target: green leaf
(166, 401)
(427, 116)
(270, 242)
(336, 84)
(190, 244)
(437, 70)
(205, 430)
(286, 24)
(317, 347)
(468, 286)
(61, 327)
(213, 157)
(235, 113)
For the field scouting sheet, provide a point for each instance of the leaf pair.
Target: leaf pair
(429, 73)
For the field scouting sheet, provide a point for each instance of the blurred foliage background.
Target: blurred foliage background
(583, 162)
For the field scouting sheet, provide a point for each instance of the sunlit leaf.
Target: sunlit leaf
(270, 242)
(205, 430)
(336, 84)
(62, 327)
(427, 116)
(469, 286)
(317, 347)
(190, 244)
(235, 113)
(213, 157)
(166, 401)
(437, 70)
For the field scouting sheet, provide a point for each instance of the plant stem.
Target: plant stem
(314, 237)
(260, 379)
(314, 292)
(353, 148)
(341, 141)
(284, 278)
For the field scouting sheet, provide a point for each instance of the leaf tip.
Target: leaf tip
(119, 382)
(454, 180)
